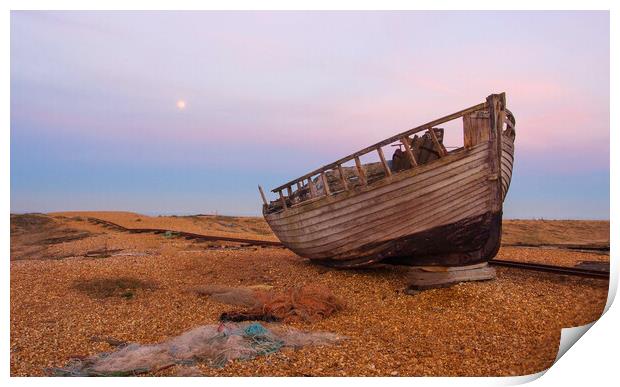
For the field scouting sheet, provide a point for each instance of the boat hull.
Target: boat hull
(466, 242)
(447, 212)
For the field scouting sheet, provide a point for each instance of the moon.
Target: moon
(180, 104)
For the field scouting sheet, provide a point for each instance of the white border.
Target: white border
(592, 360)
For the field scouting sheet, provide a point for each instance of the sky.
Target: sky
(187, 112)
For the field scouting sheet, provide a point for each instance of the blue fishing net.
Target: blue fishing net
(214, 345)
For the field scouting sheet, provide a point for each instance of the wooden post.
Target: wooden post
(502, 115)
(501, 121)
(408, 152)
(343, 179)
(386, 167)
(282, 200)
(299, 186)
(325, 184)
(312, 187)
(262, 194)
(360, 171)
(288, 191)
(440, 148)
(496, 149)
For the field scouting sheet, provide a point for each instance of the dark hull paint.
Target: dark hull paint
(466, 242)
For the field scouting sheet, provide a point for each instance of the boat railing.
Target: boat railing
(306, 181)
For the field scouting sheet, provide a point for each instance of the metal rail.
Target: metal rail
(186, 235)
(551, 268)
(593, 247)
(254, 242)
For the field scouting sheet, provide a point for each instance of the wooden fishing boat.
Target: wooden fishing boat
(427, 206)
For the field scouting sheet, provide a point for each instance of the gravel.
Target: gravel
(507, 326)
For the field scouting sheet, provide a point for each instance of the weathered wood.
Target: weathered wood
(325, 184)
(388, 141)
(507, 161)
(395, 224)
(262, 194)
(431, 277)
(343, 179)
(401, 210)
(312, 187)
(401, 184)
(386, 167)
(360, 171)
(495, 107)
(443, 212)
(379, 208)
(396, 221)
(398, 224)
(282, 200)
(289, 193)
(390, 214)
(440, 148)
(408, 152)
(471, 240)
(299, 188)
(476, 128)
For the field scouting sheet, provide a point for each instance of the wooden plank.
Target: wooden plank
(495, 108)
(386, 167)
(378, 201)
(343, 179)
(432, 277)
(262, 194)
(476, 129)
(440, 148)
(415, 208)
(282, 200)
(313, 192)
(384, 210)
(325, 184)
(501, 121)
(388, 141)
(360, 171)
(454, 158)
(451, 165)
(408, 152)
(507, 158)
(289, 193)
(391, 229)
(378, 207)
(433, 214)
(373, 207)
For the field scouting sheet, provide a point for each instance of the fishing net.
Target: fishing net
(308, 303)
(215, 345)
